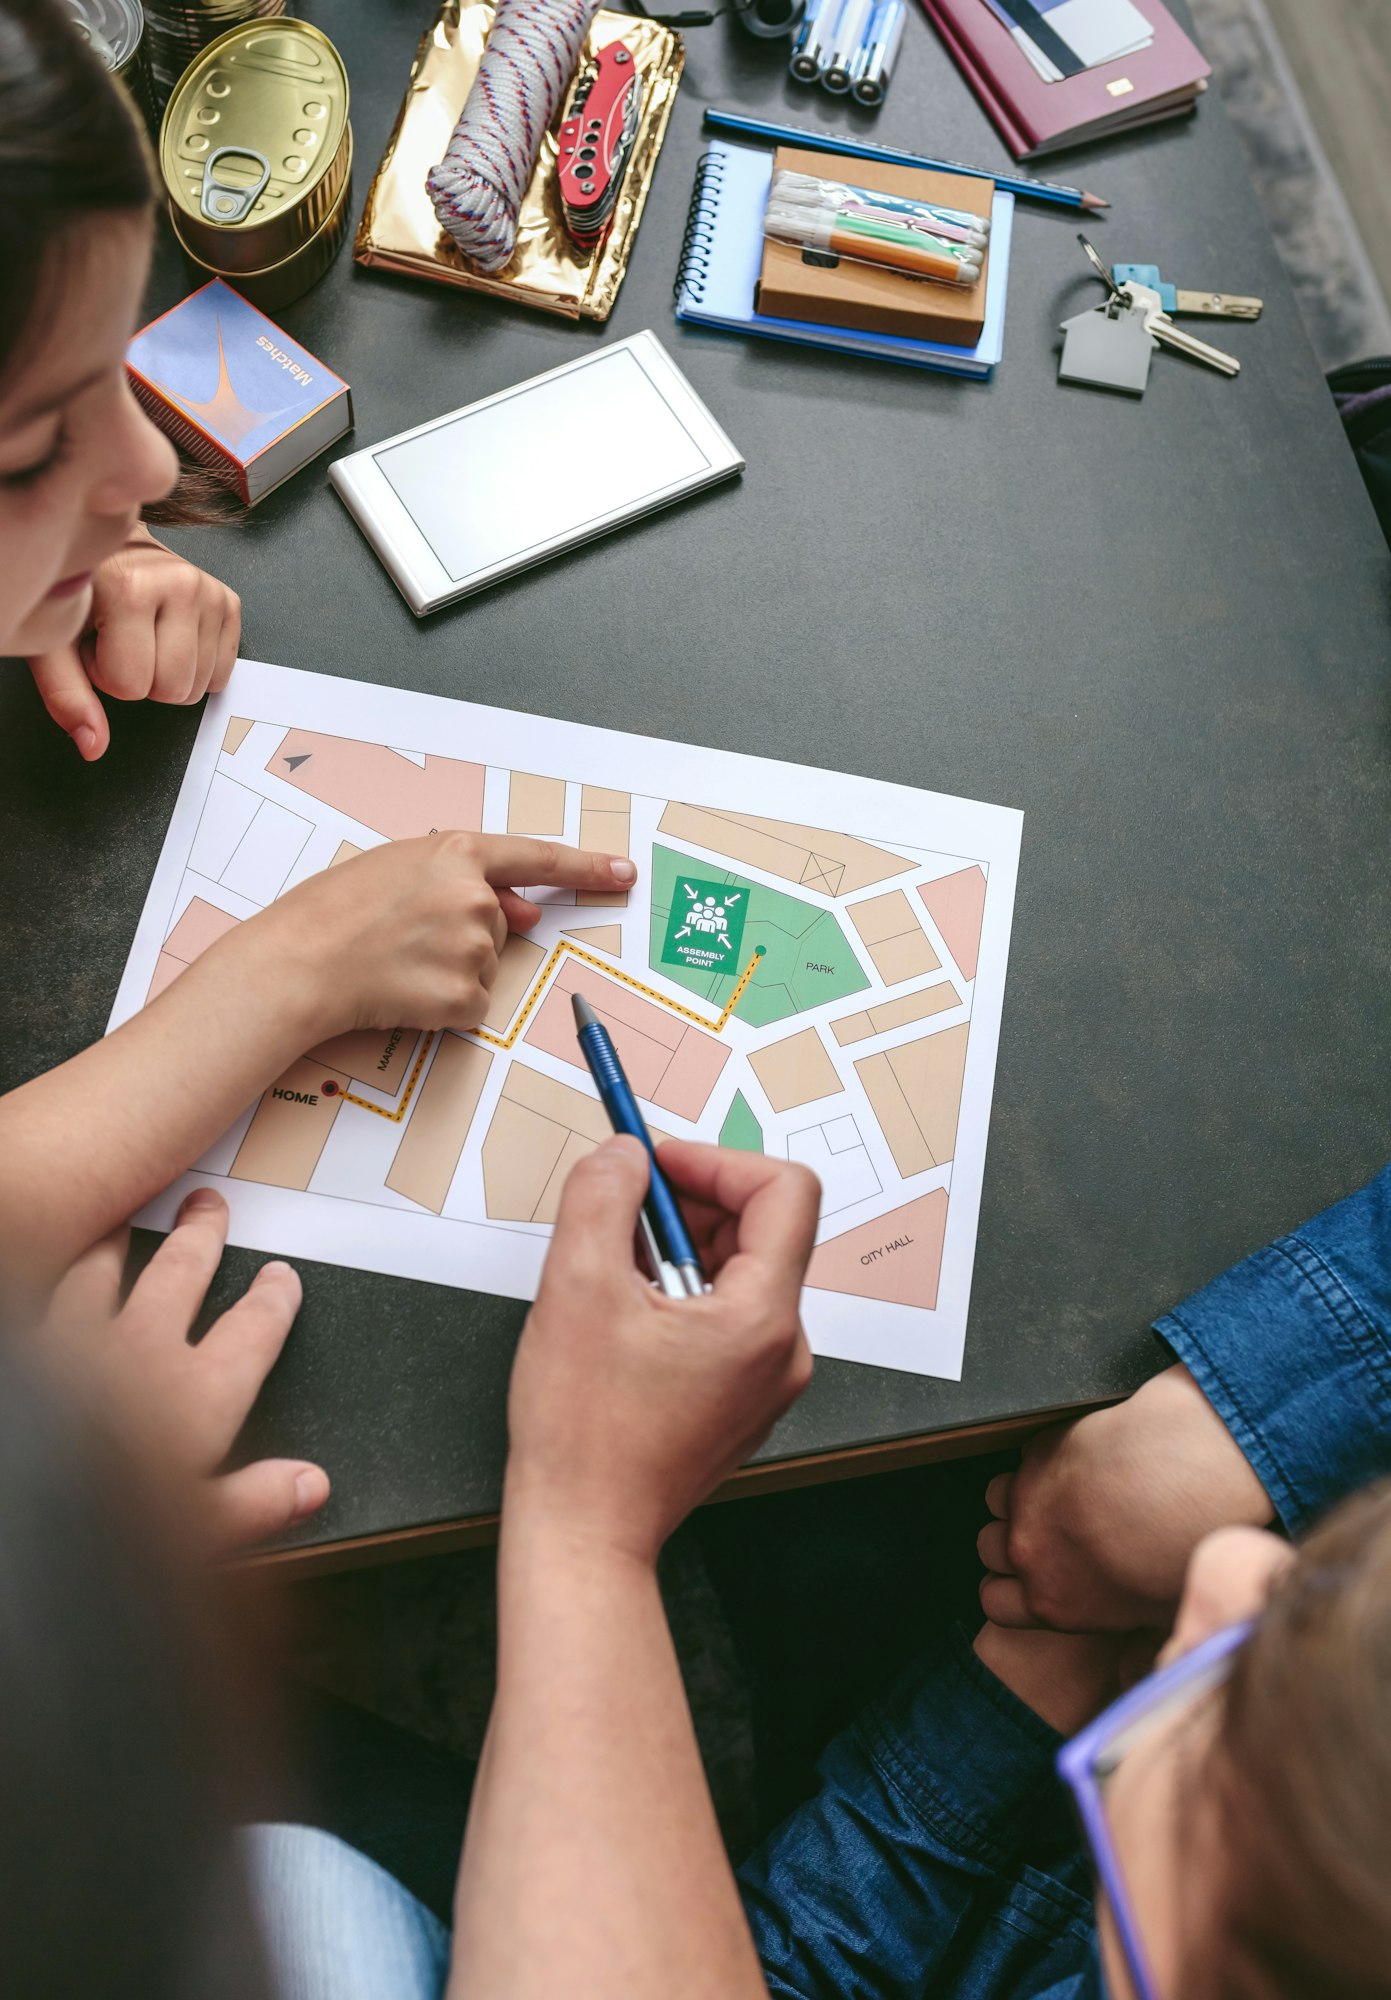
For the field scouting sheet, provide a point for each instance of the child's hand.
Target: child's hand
(159, 630)
(627, 1408)
(1094, 1531)
(182, 1406)
(409, 933)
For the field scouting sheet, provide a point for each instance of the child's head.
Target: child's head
(78, 459)
(1252, 1824)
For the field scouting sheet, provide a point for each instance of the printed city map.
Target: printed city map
(811, 966)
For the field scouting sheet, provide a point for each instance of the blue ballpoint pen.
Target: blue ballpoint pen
(675, 1264)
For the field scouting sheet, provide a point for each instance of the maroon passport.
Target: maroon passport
(1034, 117)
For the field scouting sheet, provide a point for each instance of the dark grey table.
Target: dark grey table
(1159, 628)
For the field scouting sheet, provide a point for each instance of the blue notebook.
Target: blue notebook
(723, 254)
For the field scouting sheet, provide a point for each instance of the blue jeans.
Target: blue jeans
(336, 1926)
(937, 1855)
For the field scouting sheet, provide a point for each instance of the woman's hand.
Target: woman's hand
(626, 1408)
(409, 934)
(181, 1406)
(160, 630)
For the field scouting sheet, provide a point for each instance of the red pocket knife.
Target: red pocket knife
(596, 141)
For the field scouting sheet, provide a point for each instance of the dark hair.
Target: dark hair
(70, 149)
(1304, 1767)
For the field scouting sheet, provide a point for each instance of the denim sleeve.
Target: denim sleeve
(1293, 1350)
(938, 1855)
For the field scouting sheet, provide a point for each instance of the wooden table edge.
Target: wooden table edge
(778, 1475)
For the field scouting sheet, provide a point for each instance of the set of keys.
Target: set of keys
(1111, 346)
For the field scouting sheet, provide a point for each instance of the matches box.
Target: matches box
(236, 393)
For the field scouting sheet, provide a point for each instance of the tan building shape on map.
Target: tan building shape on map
(915, 1091)
(897, 1257)
(797, 1071)
(538, 1131)
(517, 969)
(898, 1013)
(429, 1154)
(535, 805)
(606, 828)
(291, 1125)
(812, 856)
(893, 937)
(379, 1056)
(603, 937)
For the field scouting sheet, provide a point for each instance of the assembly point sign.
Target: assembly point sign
(705, 926)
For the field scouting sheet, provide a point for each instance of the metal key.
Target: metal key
(1218, 305)
(1168, 335)
(1210, 305)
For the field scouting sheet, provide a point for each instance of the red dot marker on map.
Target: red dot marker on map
(330, 1088)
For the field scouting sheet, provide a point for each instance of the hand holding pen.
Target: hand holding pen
(626, 1408)
(670, 1252)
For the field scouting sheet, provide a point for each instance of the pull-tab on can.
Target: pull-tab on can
(222, 200)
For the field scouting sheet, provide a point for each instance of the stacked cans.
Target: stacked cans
(849, 46)
(256, 156)
(177, 30)
(116, 31)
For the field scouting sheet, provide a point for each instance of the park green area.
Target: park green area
(741, 1130)
(807, 957)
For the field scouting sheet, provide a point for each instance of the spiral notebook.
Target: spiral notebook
(723, 254)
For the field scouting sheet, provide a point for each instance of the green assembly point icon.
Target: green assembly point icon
(705, 926)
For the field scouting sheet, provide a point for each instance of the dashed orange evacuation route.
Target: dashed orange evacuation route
(563, 949)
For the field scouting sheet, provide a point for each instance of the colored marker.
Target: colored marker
(675, 1265)
(872, 243)
(930, 227)
(794, 190)
(880, 228)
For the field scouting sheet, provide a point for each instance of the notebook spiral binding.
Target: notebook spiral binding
(700, 227)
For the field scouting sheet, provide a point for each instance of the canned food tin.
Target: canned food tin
(255, 147)
(275, 285)
(175, 30)
(115, 29)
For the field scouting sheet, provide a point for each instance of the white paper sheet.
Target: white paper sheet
(863, 1041)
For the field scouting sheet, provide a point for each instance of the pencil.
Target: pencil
(866, 149)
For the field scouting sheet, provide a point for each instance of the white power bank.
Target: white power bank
(460, 502)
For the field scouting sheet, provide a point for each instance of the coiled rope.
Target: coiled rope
(477, 188)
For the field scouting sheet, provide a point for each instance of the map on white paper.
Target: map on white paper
(811, 965)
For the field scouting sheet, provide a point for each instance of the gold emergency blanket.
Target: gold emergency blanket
(399, 230)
